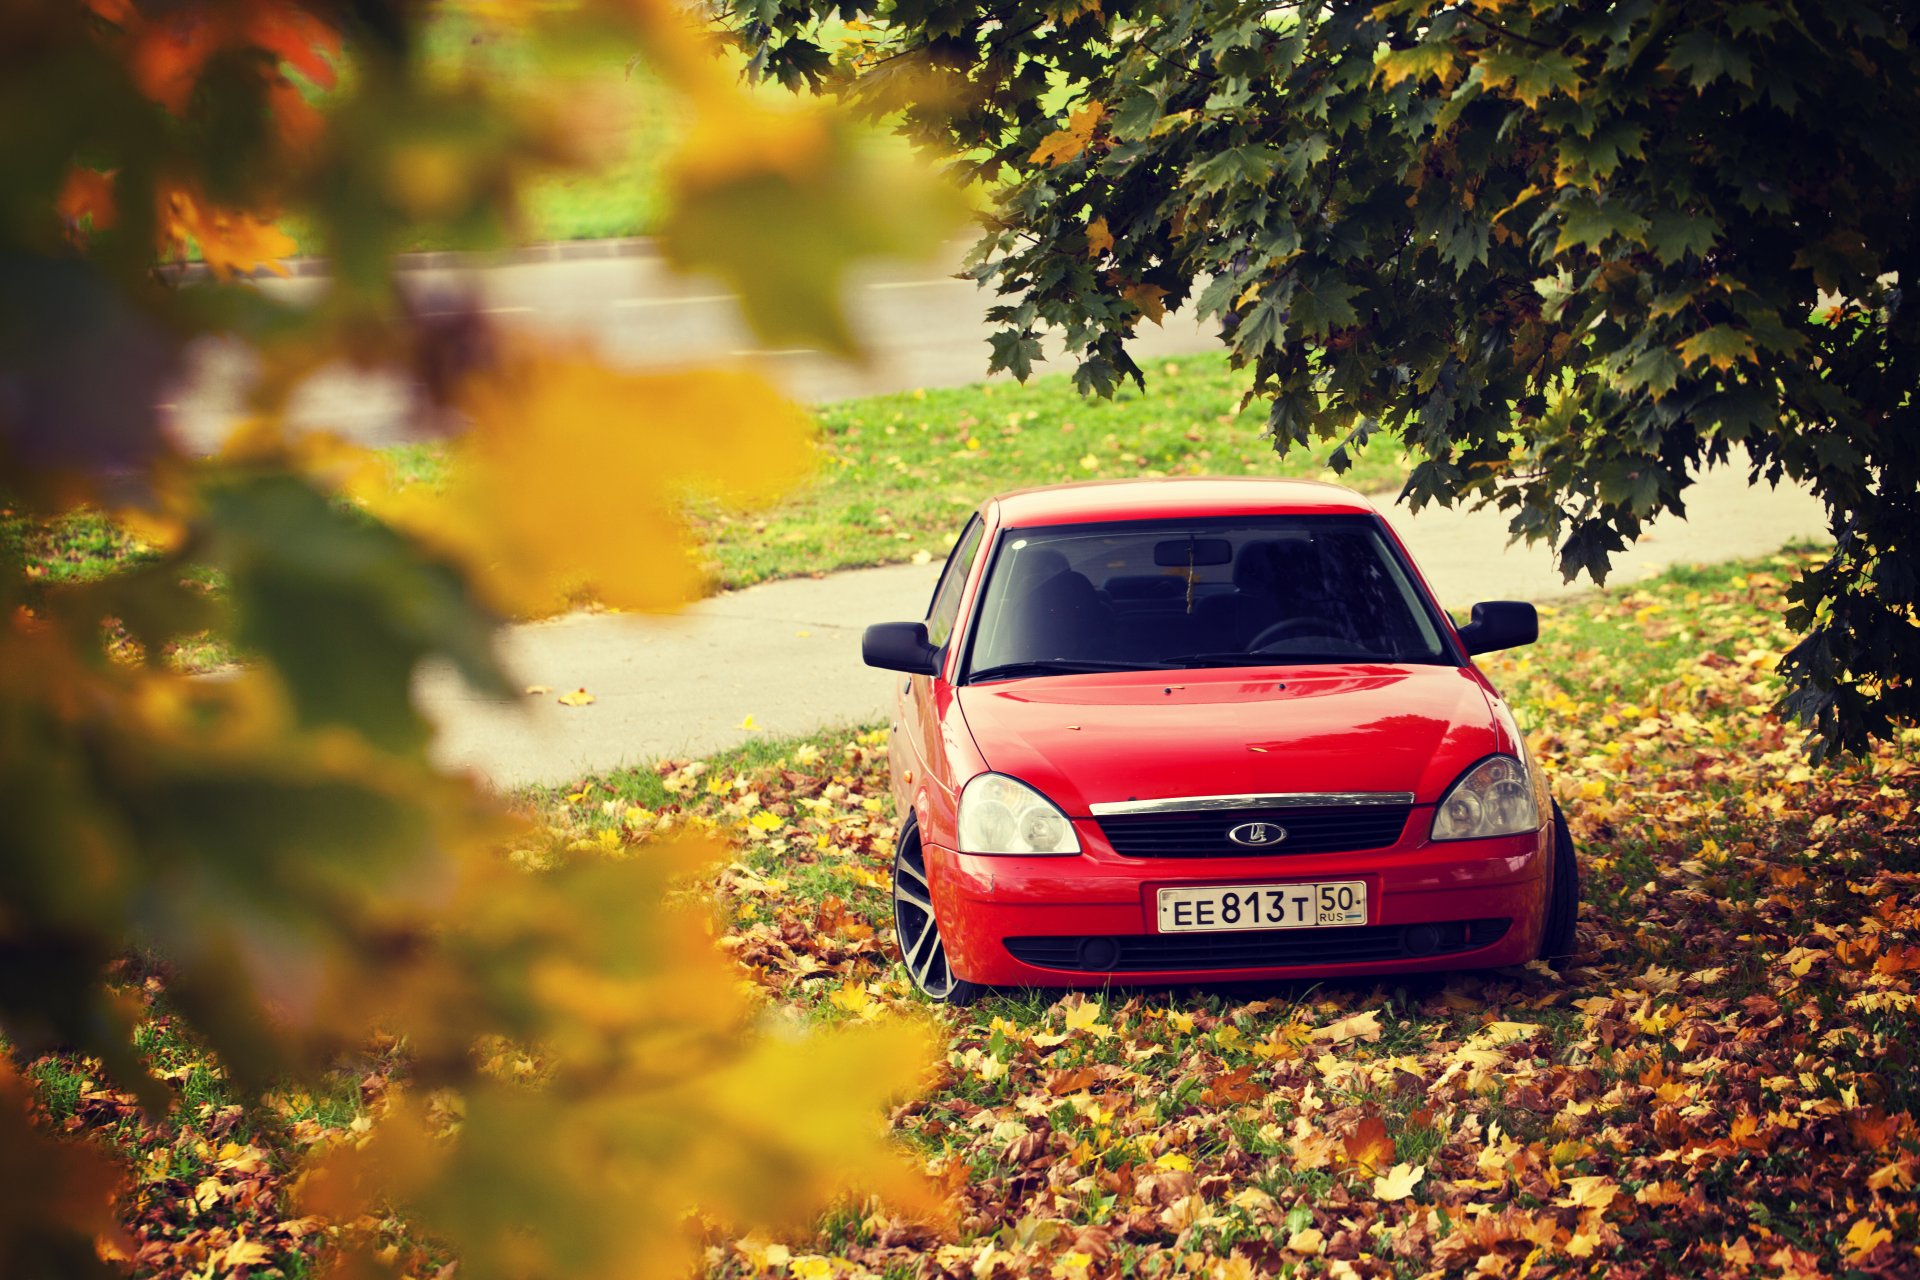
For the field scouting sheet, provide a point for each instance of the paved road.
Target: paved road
(922, 327)
(788, 653)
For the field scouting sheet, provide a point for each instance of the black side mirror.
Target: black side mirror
(900, 646)
(1500, 624)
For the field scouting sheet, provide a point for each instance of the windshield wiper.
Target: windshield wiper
(1056, 667)
(1306, 658)
(1241, 659)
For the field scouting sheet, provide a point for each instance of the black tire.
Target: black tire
(917, 933)
(1563, 908)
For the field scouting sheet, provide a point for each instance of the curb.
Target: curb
(450, 259)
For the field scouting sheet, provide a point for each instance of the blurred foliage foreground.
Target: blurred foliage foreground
(271, 850)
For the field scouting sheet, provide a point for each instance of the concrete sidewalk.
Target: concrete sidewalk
(788, 653)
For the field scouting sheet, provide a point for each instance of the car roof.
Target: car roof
(1176, 497)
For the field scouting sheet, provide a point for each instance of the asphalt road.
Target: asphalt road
(922, 327)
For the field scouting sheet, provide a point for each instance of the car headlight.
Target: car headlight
(1001, 815)
(1494, 798)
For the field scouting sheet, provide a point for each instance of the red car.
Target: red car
(1188, 730)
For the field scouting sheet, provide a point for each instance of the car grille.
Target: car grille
(1252, 949)
(1203, 834)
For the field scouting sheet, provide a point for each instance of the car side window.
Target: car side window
(946, 596)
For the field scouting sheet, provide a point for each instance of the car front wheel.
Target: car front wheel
(917, 932)
(1563, 908)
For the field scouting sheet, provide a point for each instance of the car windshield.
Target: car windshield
(1247, 591)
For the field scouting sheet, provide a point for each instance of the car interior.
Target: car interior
(1147, 598)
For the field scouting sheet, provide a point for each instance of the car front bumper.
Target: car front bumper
(1089, 919)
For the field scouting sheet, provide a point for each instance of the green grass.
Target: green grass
(80, 547)
(898, 473)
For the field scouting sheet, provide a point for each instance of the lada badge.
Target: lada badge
(1256, 834)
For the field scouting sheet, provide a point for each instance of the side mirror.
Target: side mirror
(900, 646)
(1500, 624)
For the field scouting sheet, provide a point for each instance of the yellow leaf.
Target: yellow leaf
(578, 698)
(572, 476)
(1421, 62)
(1398, 1182)
(244, 1253)
(749, 724)
(1360, 1026)
(762, 1254)
(1307, 1241)
(1173, 1161)
(1099, 239)
(1595, 1191)
(1085, 1016)
(1498, 1034)
(765, 821)
(1864, 1237)
(1722, 346)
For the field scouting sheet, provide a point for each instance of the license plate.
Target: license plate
(1220, 907)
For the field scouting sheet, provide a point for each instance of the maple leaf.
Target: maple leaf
(577, 698)
(1147, 297)
(1359, 1026)
(1431, 61)
(230, 241)
(1593, 1191)
(1369, 1146)
(1722, 346)
(1062, 145)
(1085, 1016)
(1099, 239)
(1398, 1182)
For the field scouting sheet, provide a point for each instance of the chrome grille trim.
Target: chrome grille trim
(1272, 800)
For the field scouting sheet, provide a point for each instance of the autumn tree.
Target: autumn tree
(271, 852)
(1569, 254)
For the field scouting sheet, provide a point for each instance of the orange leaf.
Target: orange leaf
(1369, 1147)
(231, 241)
(1099, 239)
(1147, 298)
(87, 193)
(1065, 144)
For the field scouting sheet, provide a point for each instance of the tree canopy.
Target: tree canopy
(1569, 254)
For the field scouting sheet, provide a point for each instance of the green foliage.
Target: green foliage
(1573, 254)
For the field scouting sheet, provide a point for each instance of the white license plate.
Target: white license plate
(1217, 907)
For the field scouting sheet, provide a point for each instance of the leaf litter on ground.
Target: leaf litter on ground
(1720, 1083)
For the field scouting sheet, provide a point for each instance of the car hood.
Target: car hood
(1093, 739)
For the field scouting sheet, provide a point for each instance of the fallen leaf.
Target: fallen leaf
(1398, 1182)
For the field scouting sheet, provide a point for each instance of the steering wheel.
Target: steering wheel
(1312, 625)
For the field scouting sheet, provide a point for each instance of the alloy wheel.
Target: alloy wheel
(914, 927)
